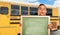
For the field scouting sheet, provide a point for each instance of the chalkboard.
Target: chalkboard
(34, 25)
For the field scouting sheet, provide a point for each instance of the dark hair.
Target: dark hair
(41, 5)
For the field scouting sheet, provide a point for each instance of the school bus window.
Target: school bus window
(24, 10)
(33, 11)
(4, 10)
(15, 10)
(49, 12)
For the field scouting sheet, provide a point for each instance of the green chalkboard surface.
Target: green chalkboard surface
(35, 25)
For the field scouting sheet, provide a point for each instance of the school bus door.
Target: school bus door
(4, 14)
(5, 27)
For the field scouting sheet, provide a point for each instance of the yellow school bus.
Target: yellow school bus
(10, 13)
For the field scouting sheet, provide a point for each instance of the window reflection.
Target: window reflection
(49, 12)
(4, 10)
(15, 10)
(24, 10)
(33, 11)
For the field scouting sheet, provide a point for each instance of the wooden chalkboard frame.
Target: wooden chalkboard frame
(36, 16)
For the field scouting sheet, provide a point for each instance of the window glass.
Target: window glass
(15, 10)
(4, 10)
(24, 10)
(49, 12)
(33, 11)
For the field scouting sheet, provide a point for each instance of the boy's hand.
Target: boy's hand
(50, 26)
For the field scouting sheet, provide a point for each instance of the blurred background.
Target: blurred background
(29, 7)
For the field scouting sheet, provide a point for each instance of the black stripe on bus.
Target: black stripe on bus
(15, 15)
(15, 19)
(14, 22)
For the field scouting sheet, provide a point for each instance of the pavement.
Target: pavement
(56, 32)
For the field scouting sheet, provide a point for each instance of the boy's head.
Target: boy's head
(42, 10)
